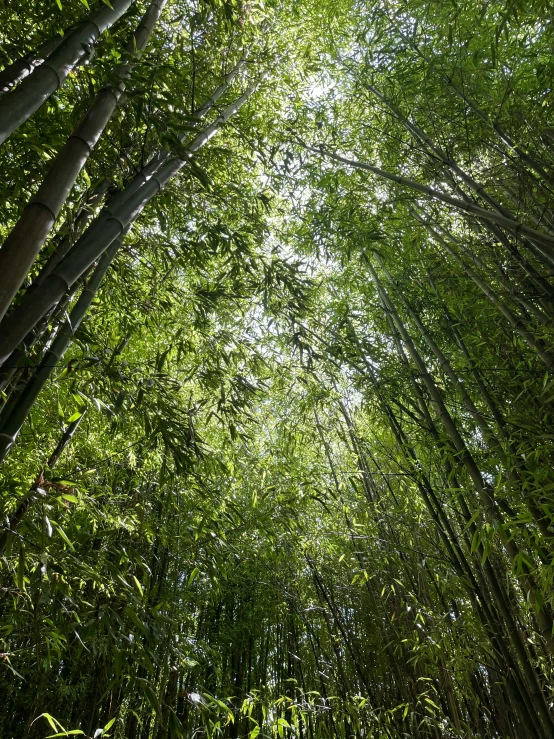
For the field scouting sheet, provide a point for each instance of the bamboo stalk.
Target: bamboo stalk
(98, 237)
(488, 434)
(19, 104)
(516, 227)
(490, 506)
(23, 244)
(12, 424)
(513, 320)
(23, 66)
(449, 165)
(528, 158)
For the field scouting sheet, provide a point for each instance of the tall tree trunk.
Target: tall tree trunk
(12, 424)
(516, 227)
(97, 238)
(23, 66)
(19, 104)
(35, 223)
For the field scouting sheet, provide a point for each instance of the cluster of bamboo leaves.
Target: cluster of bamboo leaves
(276, 369)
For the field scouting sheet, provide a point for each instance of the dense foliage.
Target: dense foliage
(276, 369)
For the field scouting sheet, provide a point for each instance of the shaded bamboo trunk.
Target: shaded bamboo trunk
(13, 422)
(23, 66)
(490, 506)
(488, 433)
(512, 319)
(524, 685)
(16, 369)
(23, 244)
(143, 176)
(84, 214)
(163, 155)
(515, 227)
(19, 104)
(97, 239)
(475, 371)
(73, 230)
(450, 167)
(543, 521)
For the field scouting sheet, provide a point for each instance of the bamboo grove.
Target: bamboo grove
(276, 369)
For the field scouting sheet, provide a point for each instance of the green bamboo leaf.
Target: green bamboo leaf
(139, 586)
(152, 698)
(63, 535)
(432, 703)
(200, 174)
(54, 724)
(109, 725)
(70, 498)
